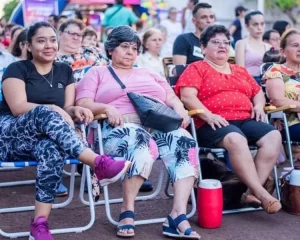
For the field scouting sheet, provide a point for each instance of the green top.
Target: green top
(118, 15)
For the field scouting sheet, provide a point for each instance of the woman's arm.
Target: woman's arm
(70, 99)
(240, 53)
(96, 108)
(275, 89)
(15, 96)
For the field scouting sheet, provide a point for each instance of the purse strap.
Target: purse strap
(116, 77)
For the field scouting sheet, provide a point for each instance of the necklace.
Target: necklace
(50, 82)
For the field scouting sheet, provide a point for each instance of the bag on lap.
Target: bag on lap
(153, 114)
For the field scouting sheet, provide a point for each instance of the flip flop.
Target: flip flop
(272, 206)
(126, 214)
(250, 200)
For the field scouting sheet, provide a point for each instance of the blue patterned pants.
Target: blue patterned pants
(41, 134)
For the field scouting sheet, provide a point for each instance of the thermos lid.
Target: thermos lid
(210, 184)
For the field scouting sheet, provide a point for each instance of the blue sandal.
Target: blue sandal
(126, 214)
(170, 229)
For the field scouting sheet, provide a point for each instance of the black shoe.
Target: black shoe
(146, 187)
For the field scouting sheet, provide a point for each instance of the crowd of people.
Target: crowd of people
(58, 73)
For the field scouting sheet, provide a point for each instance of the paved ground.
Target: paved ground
(252, 226)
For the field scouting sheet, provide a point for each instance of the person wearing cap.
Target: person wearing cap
(236, 27)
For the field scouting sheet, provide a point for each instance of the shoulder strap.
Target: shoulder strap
(116, 77)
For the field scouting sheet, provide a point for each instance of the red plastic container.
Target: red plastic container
(210, 203)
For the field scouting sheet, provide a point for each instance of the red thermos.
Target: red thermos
(210, 203)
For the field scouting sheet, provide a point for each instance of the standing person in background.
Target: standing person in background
(118, 15)
(249, 52)
(186, 47)
(19, 49)
(235, 29)
(187, 17)
(174, 29)
(281, 26)
(272, 37)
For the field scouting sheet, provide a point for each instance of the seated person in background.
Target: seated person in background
(19, 49)
(186, 48)
(124, 135)
(234, 113)
(151, 43)
(283, 83)
(71, 52)
(272, 37)
(36, 122)
(272, 56)
(281, 26)
(89, 38)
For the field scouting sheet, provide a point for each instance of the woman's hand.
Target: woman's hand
(215, 120)
(64, 114)
(114, 116)
(79, 114)
(258, 113)
(180, 110)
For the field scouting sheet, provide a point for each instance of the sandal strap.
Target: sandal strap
(126, 226)
(188, 232)
(127, 214)
(179, 219)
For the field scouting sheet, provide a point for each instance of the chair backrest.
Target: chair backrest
(173, 72)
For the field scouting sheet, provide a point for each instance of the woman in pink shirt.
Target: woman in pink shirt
(124, 136)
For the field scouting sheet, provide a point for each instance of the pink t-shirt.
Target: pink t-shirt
(99, 84)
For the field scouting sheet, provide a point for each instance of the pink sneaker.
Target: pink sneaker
(39, 230)
(108, 170)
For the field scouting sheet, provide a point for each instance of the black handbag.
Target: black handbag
(153, 114)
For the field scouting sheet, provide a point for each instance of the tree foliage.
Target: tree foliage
(286, 6)
(9, 8)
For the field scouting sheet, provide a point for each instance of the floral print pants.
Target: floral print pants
(40, 134)
(177, 149)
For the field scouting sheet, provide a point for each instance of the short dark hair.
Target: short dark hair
(78, 14)
(239, 9)
(76, 22)
(119, 35)
(63, 16)
(90, 32)
(32, 31)
(250, 15)
(200, 6)
(194, 2)
(55, 17)
(21, 39)
(14, 29)
(267, 34)
(280, 26)
(272, 56)
(211, 31)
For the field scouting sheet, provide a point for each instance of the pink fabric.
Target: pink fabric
(99, 85)
(253, 60)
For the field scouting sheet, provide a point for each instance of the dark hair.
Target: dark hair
(89, 32)
(119, 35)
(272, 56)
(202, 6)
(239, 9)
(267, 34)
(120, 2)
(55, 17)
(78, 15)
(21, 39)
(211, 31)
(76, 22)
(9, 26)
(280, 26)
(32, 30)
(14, 29)
(63, 16)
(250, 15)
(194, 1)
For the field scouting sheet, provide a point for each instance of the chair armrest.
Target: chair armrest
(195, 112)
(285, 108)
(191, 113)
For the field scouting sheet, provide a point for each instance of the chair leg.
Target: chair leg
(288, 140)
(170, 195)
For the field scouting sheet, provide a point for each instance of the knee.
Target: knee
(271, 140)
(47, 150)
(234, 141)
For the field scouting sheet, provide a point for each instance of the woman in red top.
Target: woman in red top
(234, 111)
